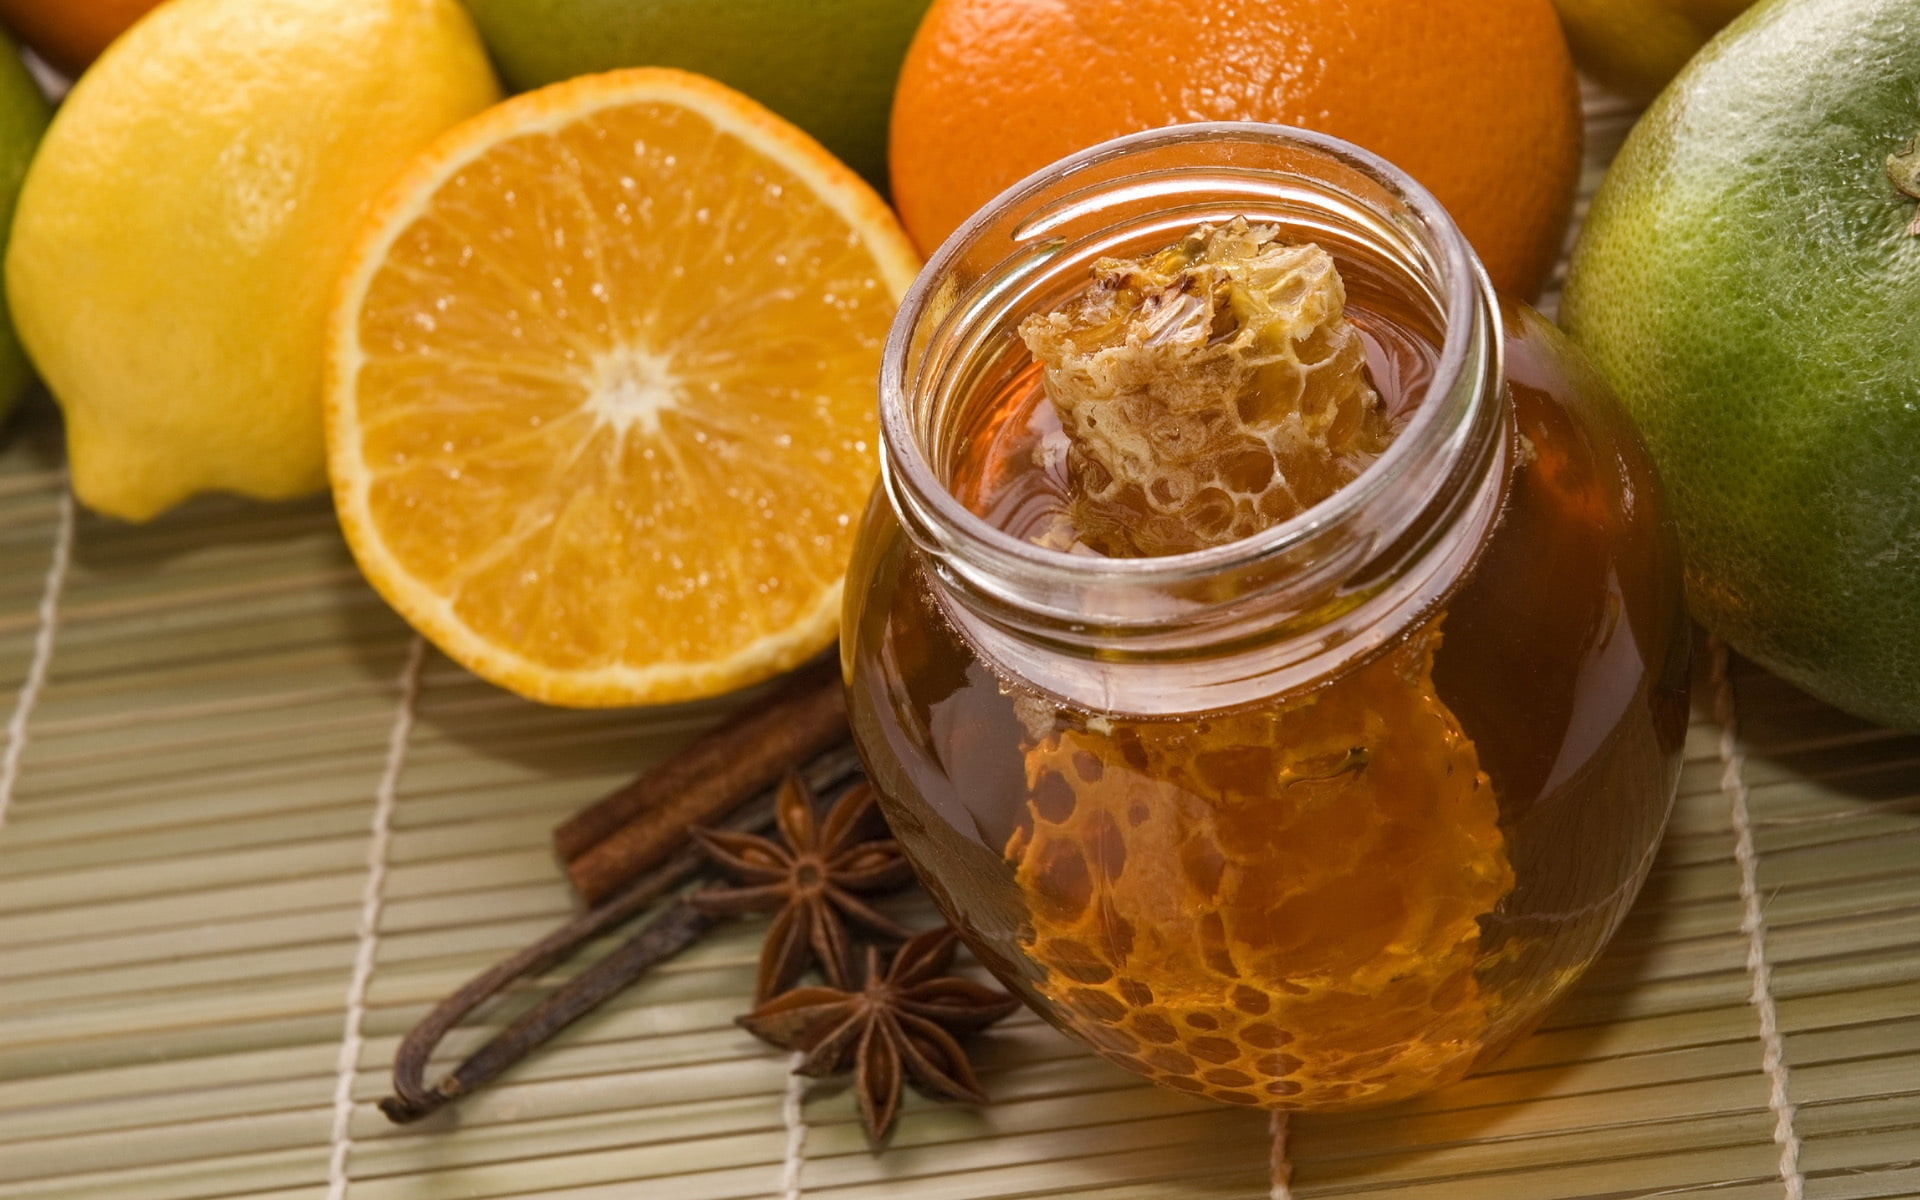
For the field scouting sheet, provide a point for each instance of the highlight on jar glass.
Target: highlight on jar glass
(1267, 644)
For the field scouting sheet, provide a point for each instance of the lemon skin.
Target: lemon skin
(179, 233)
(1747, 282)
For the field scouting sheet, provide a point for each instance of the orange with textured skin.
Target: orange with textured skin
(71, 33)
(1476, 98)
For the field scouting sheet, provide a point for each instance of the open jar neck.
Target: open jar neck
(1252, 617)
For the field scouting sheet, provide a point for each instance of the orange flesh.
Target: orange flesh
(610, 421)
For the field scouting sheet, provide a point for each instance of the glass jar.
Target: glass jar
(1322, 817)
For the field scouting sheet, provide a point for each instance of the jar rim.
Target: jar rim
(1436, 420)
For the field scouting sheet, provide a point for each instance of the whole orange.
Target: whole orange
(1477, 99)
(71, 33)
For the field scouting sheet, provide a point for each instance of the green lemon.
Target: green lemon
(1749, 282)
(23, 118)
(826, 65)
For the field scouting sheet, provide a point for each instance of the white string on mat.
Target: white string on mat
(1753, 923)
(794, 1113)
(372, 897)
(49, 621)
(1281, 1165)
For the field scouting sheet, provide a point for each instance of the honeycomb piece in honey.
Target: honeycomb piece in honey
(1207, 392)
(1278, 906)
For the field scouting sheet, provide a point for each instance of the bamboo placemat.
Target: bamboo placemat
(250, 829)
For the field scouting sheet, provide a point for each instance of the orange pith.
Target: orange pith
(601, 414)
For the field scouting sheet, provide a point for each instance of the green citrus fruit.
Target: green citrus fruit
(826, 65)
(23, 118)
(1636, 46)
(1749, 283)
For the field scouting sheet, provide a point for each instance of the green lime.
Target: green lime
(826, 65)
(1749, 282)
(24, 114)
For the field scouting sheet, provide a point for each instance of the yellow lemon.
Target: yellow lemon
(180, 231)
(600, 391)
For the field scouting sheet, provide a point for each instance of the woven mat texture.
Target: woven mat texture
(251, 829)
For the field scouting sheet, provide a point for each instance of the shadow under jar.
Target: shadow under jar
(1321, 817)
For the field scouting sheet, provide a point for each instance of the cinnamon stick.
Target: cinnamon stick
(642, 824)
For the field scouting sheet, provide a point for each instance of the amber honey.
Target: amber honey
(1349, 888)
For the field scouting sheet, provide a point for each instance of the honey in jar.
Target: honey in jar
(1266, 644)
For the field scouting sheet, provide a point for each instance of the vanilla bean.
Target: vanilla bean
(748, 751)
(666, 935)
(413, 1099)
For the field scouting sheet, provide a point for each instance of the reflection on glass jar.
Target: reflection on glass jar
(1315, 817)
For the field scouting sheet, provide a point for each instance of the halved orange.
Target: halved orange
(600, 397)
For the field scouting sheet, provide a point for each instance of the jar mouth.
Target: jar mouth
(1049, 200)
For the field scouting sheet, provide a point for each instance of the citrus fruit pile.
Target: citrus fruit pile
(591, 372)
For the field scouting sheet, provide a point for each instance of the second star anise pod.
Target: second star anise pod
(897, 1027)
(814, 876)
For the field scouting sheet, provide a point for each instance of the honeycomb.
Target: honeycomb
(1207, 392)
(1281, 905)
(1276, 907)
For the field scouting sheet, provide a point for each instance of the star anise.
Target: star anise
(898, 1027)
(814, 881)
